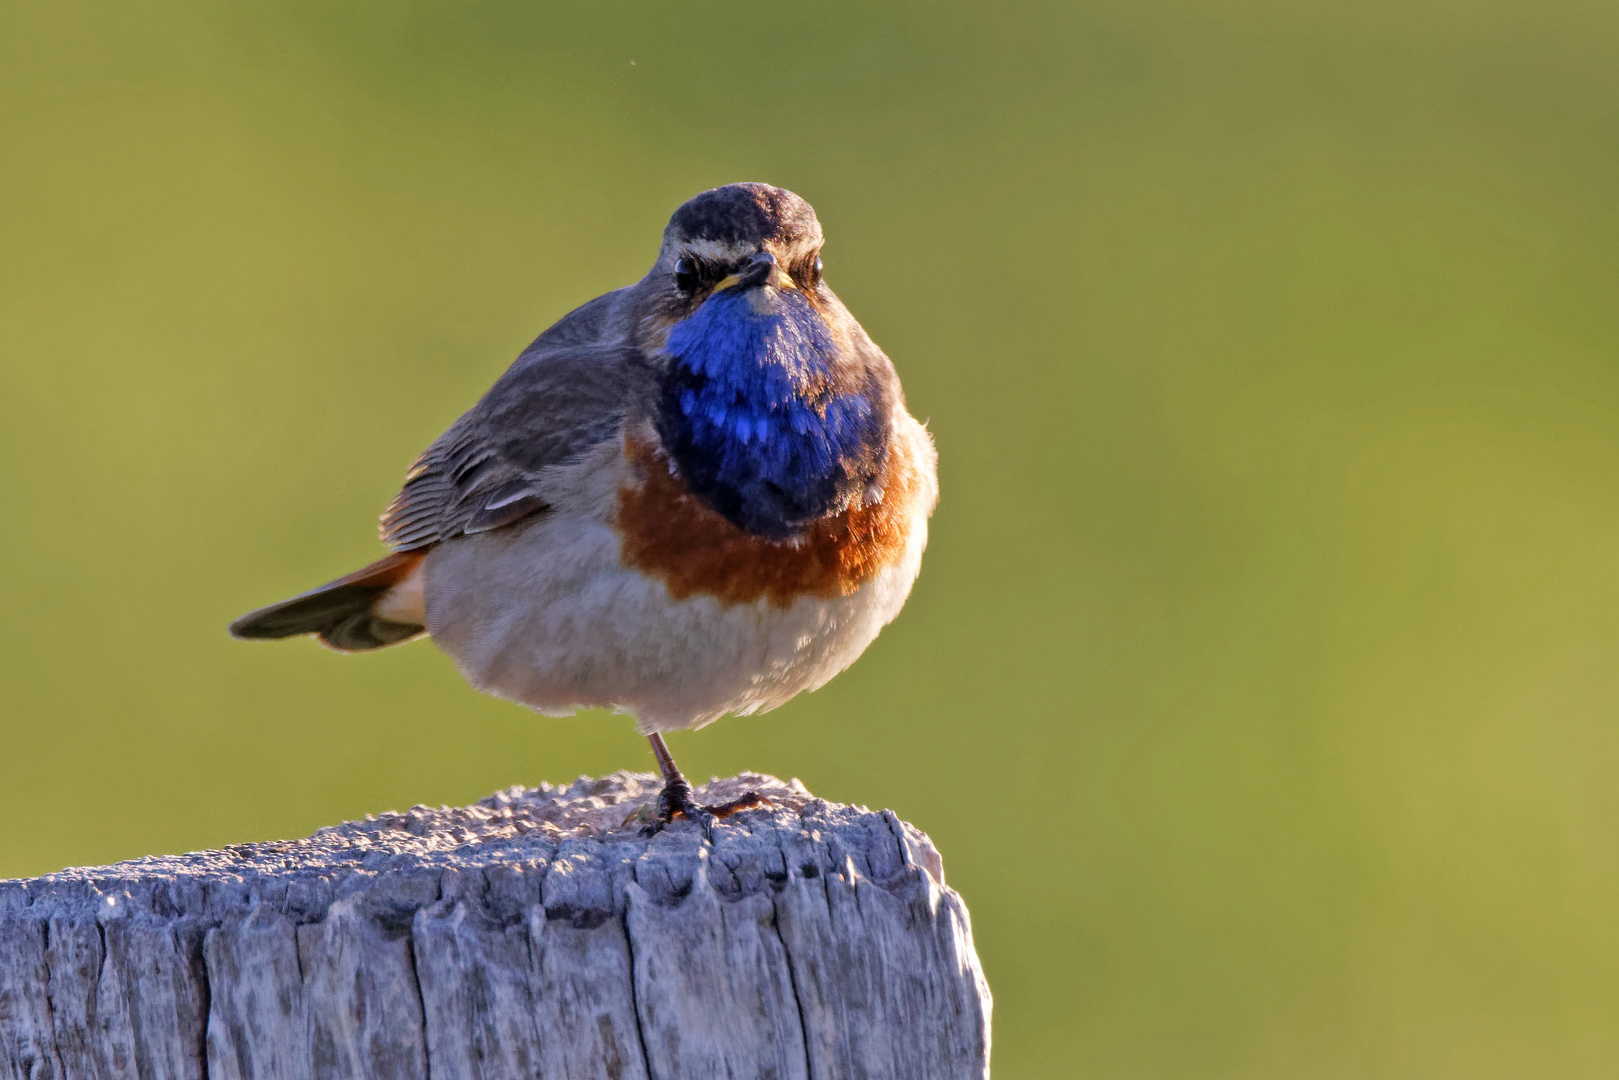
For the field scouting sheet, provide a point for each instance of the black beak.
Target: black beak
(756, 271)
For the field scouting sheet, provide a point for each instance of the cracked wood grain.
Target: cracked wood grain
(535, 934)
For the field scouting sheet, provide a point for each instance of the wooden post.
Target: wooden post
(536, 934)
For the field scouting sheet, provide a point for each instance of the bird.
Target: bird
(694, 496)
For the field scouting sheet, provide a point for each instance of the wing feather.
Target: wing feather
(556, 402)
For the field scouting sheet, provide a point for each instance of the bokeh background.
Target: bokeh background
(1261, 685)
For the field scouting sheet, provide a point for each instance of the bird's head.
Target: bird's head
(775, 405)
(739, 240)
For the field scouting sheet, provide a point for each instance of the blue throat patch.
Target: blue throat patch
(759, 418)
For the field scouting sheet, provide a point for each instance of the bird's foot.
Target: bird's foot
(675, 801)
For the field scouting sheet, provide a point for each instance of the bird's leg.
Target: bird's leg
(675, 800)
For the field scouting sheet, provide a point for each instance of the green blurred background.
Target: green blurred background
(1260, 687)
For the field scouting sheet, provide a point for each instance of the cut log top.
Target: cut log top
(536, 933)
(577, 845)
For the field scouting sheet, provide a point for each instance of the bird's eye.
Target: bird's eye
(686, 276)
(815, 271)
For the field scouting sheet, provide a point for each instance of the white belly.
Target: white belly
(546, 615)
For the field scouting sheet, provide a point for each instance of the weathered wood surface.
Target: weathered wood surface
(536, 934)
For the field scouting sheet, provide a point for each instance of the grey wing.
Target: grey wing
(555, 403)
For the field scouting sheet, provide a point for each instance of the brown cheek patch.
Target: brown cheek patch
(670, 534)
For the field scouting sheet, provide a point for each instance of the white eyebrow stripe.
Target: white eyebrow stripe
(713, 249)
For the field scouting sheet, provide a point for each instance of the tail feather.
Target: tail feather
(351, 614)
